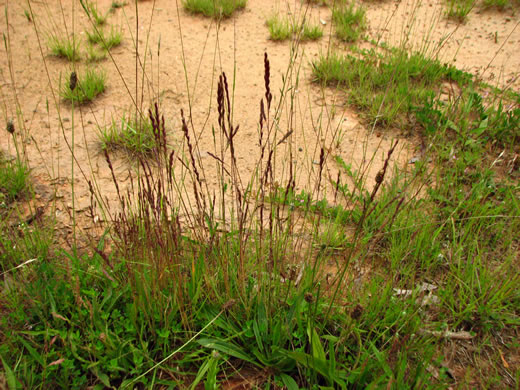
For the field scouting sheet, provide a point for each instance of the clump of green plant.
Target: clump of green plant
(349, 21)
(27, 15)
(214, 8)
(311, 32)
(107, 40)
(117, 4)
(459, 9)
(386, 86)
(281, 29)
(94, 12)
(134, 136)
(500, 4)
(89, 84)
(94, 54)
(14, 180)
(64, 47)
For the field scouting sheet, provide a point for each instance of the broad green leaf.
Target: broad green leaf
(289, 382)
(227, 348)
(9, 374)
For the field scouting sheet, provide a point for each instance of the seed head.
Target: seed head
(10, 126)
(380, 176)
(73, 81)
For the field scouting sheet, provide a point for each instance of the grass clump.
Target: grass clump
(14, 180)
(94, 12)
(89, 85)
(135, 137)
(281, 29)
(386, 87)
(311, 32)
(64, 47)
(458, 10)
(94, 54)
(214, 8)
(107, 40)
(349, 21)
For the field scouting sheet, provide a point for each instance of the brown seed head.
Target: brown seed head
(73, 81)
(10, 126)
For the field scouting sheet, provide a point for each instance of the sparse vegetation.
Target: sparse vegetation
(64, 47)
(281, 29)
(214, 8)
(459, 9)
(137, 138)
(349, 20)
(14, 180)
(107, 40)
(90, 84)
(94, 12)
(386, 87)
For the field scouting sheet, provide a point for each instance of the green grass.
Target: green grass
(14, 180)
(281, 29)
(134, 138)
(107, 40)
(311, 32)
(214, 8)
(116, 5)
(501, 4)
(385, 87)
(98, 18)
(90, 84)
(95, 54)
(64, 47)
(459, 9)
(187, 285)
(349, 21)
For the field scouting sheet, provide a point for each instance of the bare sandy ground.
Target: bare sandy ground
(180, 58)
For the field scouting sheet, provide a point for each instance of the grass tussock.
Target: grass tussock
(349, 21)
(281, 28)
(214, 8)
(64, 47)
(137, 138)
(89, 84)
(106, 40)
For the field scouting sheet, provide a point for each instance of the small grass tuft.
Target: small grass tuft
(14, 180)
(95, 13)
(349, 21)
(458, 10)
(89, 86)
(279, 28)
(94, 54)
(134, 137)
(64, 47)
(107, 40)
(214, 8)
(311, 32)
